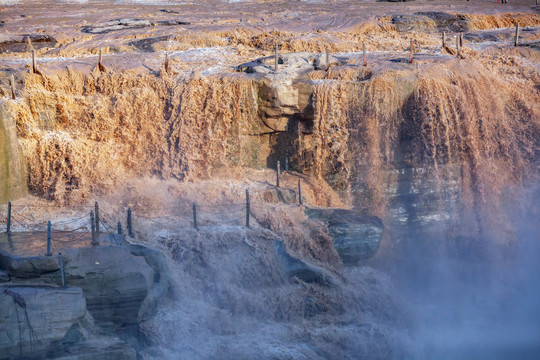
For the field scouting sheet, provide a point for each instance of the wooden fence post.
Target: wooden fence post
(364, 51)
(34, 71)
(247, 208)
(516, 41)
(13, 87)
(119, 228)
(278, 170)
(8, 228)
(166, 62)
(300, 192)
(460, 39)
(443, 39)
(195, 215)
(276, 59)
(129, 223)
(49, 253)
(457, 45)
(327, 59)
(411, 53)
(100, 65)
(287, 160)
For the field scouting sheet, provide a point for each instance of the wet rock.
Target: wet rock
(28, 267)
(405, 23)
(117, 281)
(100, 349)
(126, 23)
(47, 315)
(115, 25)
(148, 44)
(298, 268)
(424, 21)
(355, 237)
(4, 277)
(293, 64)
(441, 19)
(26, 42)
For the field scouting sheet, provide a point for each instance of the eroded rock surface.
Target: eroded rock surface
(47, 315)
(355, 237)
(27, 42)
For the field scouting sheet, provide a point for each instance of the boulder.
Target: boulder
(32, 318)
(355, 237)
(28, 267)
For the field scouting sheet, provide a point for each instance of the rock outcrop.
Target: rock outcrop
(27, 42)
(355, 237)
(111, 289)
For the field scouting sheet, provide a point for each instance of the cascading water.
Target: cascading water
(12, 170)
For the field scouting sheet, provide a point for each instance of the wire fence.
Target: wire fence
(89, 222)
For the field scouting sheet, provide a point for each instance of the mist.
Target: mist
(474, 297)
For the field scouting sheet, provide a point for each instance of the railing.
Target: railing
(95, 221)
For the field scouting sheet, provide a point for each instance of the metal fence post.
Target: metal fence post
(96, 206)
(49, 253)
(119, 228)
(195, 215)
(247, 208)
(276, 59)
(457, 45)
(287, 160)
(93, 226)
(277, 174)
(62, 274)
(129, 225)
(299, 191)
(8, 228)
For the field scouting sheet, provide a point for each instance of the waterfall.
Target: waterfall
(12, 170)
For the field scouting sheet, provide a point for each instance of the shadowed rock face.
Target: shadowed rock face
(27, 42)
(355, 237)
(47, 315)
(120, 286)
(115, 283)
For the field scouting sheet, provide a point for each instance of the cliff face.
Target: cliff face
(441, 142)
